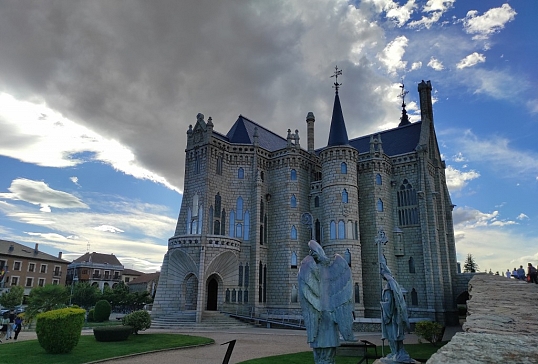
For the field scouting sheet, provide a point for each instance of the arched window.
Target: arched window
(293, 233)
(407, 204)
(217, 204)
(216, 227)
(240, 173)
(210, 224)
(347, 257)
(219, 165)
(246, 231)
(262, 207)
(316, 201)
(380, 205)
(189, 221)
(239, 208)
(240, 282)
(344, 196)
(231, 230)
(227, 299)
(239, 230)
(262, 176)
(293, 262)
(378, 180)
(341, 230)
(293, 201)
(357, 293)
(318, 231)
(293, 175)
(349, 230)
(247, 276)
(195, 205)
(414, 297)
(332, 230)
(223, 223)
(411, 265)
(294, 293)
(343, 168)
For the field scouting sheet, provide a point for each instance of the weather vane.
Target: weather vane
(403, 93)
(337, 73)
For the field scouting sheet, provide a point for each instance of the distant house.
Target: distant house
(130, 274)
(100, 270)
(147, 282)
(28, 267)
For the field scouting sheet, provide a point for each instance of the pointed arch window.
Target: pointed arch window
(357, 293)
(231, 229)
(217, 204)
(210, 215)
(293, 262)
(344, 196)
(378, 180)
(293, 201)
(293, 175)
(332, 230)
(247, 276)
(239, 208)
(216, 227)
(246, 230)
(262, 208)
(407, 204)
(240, 282)
(347, 257)
(316, 201)
(318, 231)
(341, 229)
(379, 205)
(411, 265)
(223, 223)
(293, 233)
(414, 297)
(219, 165)
(343, 168)
(240, 173)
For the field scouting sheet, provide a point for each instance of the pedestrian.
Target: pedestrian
(514, 274)
(18, 326)
(521, 273)
(508, 274)
(11, 321)
(532, 274)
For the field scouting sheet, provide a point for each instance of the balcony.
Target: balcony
(215, 241)
(96, 276)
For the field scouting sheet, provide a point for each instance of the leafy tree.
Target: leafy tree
(47, 298)
(12, 298)
(470, 265)
(85, 295)
(429, 331)
(139, 299)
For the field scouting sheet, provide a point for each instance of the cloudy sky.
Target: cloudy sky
(96, 98)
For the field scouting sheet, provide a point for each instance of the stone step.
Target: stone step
(210, 319)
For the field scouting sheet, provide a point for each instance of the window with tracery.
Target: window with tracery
(407, 204)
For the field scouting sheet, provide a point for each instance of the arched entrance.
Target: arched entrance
(212, 294)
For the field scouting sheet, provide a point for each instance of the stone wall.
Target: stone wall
(501, 326)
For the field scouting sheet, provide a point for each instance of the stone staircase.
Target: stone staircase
(211, 320)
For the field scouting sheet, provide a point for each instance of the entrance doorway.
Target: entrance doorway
(212, 294)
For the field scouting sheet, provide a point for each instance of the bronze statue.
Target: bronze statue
(326, 297)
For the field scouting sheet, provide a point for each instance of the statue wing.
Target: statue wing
(309, 293)
(341, 291)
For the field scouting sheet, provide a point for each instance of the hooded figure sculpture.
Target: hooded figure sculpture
(394, 318)
(326, 297)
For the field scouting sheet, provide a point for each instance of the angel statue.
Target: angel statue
(326, 297)
(394, 319)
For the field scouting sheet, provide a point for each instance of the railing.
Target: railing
(216, 241)
(96, 276)
(269, 317)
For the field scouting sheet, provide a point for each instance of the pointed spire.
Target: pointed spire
(404, 120)
(338, 132)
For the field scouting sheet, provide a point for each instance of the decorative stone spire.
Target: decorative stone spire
(425, 94)
(338, 132)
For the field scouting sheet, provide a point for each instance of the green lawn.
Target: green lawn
(417, 351)
(88, 349)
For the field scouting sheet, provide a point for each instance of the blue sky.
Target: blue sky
(96, 98)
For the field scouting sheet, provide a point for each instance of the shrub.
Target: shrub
(91, 315)
(429, 331)
(139, 320)
(58, 331)
(102, 311)
(112, 333)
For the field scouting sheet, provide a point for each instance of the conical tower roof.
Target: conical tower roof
(338, 132)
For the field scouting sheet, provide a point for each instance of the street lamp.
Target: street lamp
(75, 279)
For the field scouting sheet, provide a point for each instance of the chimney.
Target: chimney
(36, 250)
(60, 255)
(425, 95)
(11, 247)
(310, 119)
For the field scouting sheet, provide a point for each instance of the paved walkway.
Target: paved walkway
(252, 342)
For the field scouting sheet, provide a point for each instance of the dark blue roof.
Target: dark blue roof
(337, 133)
(242, 132)
(403, 139)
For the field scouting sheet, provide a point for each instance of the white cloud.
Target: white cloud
(34, 133)
(490, 22)
(416, 66)
(400, 14)
(74, 180)
(435, 64)
(438, 5)
(457, 180)
(522, 216)
(471, 60)
(39, 193)
(471, 218)
(459, 157)
(108, 228)
(436, 8)
(391, 56)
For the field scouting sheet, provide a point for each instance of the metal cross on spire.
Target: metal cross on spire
(403, 93)
(337, 73)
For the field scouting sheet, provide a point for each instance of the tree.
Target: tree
(470, 265)
(85, 295)
(47, 298)
(12, 298)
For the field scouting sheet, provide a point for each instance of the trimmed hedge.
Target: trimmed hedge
(112, 333)
(138, 320)
(58, 331)
(101, 311)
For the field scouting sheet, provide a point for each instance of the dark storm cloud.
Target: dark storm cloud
(140, 71)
